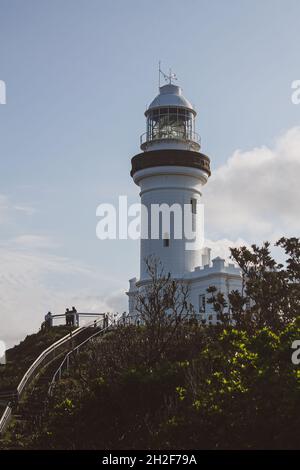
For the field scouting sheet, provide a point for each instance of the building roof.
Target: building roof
(171, 96)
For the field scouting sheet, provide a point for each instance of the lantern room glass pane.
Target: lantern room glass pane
(170, 123)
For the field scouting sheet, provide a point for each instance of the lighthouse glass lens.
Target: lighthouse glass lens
(170, 123)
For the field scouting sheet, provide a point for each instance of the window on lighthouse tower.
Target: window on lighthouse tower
(194, 205)
(166, 240)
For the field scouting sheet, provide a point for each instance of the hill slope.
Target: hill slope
(21, 356)
(207, 388)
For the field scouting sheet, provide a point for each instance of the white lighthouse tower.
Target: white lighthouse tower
(170, 173)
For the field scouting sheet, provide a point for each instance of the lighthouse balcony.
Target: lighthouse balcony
(191, 141)
(169, 157)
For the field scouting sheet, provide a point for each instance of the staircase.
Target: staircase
(31, 395)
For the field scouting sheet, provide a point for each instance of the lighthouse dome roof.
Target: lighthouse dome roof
(170, 95)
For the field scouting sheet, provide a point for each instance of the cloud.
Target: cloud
(34, 242)
(222, 247)
(33, 282)
(26, 209)
(2, 350)
(256, 194)
(8, 209)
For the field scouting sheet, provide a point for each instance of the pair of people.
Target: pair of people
(72, 317)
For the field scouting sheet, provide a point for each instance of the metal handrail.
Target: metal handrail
(35, 365)
(90, 314)
(193, 138)
(38, 361)
(66, 359)
(28, 374)
(72, 351)
(4, 420)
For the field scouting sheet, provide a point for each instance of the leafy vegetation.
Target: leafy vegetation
(228, 386)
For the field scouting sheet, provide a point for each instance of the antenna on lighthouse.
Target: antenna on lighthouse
(168, 78)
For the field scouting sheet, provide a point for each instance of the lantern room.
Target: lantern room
(170, 122)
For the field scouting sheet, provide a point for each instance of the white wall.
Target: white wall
(225, 278)
(170, 185)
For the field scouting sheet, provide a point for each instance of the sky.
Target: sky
(79, 76)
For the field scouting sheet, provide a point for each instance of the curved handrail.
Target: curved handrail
(28, 374)
(77, 348)
(40, 358)
(4, 420)
(35, 365)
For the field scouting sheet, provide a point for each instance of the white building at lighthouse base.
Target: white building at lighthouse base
(226, 277)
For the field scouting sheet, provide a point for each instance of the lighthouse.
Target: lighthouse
(170, 172)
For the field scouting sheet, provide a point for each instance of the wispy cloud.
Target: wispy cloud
(221, 247)
(9, 209)
(29, 210)
(34, 279)
(34, 242)
(31, 283)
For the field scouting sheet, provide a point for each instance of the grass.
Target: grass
(20, 357)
